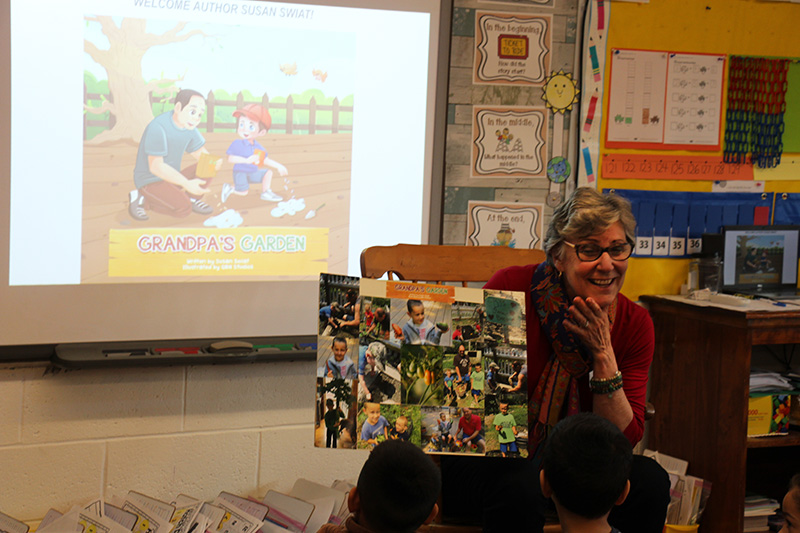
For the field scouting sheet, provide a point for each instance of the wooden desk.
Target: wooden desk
(699, 383)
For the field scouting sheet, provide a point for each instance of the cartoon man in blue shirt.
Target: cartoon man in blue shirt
(161, 185)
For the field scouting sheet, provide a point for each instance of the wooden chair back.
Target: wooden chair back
(442, 263)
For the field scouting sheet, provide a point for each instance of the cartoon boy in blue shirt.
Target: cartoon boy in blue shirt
(249, 157)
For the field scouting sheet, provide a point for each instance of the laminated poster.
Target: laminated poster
(431, 364)
(512, 48)
(509, 141)
(511, 224)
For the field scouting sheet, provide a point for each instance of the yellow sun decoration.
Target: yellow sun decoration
(560, 92)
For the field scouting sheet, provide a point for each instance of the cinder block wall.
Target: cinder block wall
(69, 437)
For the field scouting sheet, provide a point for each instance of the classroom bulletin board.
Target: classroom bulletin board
(729, 27)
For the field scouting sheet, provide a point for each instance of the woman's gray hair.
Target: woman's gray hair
(377, 350)
(585, 213)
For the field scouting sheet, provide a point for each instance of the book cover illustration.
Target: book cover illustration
(440, 366)
(194, 141)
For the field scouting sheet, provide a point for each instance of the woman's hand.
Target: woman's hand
(590, 324)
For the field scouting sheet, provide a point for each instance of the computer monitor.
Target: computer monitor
(760, 258)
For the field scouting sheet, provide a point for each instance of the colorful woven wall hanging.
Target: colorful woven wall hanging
(756, 105)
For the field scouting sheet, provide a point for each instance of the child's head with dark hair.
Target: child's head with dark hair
(416, 311)
(339, 345)
(397, 488)
(329, 403)
(791, 507)
(794, 483)
(586, 463)
(411, 304)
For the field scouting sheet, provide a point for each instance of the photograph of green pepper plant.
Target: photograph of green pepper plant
(421, 371)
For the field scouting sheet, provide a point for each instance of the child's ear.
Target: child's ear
(262, 132)
(546, 490)
(433, 514)
(354, 501)
(624, 494)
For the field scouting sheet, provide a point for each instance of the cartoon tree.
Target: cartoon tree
(742, 244)
(123, 62)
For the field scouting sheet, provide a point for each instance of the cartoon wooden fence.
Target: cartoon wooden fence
(289, 126)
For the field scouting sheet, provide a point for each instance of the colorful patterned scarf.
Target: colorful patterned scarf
(556, 395)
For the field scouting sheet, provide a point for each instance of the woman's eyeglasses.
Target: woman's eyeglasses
(592, 252)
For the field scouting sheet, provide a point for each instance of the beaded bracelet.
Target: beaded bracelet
(606, 386)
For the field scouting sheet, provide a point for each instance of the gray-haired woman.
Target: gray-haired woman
(589, 347)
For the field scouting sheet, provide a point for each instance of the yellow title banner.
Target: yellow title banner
(420, 291)
(252, 251)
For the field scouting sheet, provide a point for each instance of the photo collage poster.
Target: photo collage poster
(437, 365)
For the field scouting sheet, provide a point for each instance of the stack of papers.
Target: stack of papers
(12, 525)
(688, 494)
(757, 511)
(305, 509)
(794, 380)
(765, 381)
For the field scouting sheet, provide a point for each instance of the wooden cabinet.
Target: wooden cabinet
(699, 385)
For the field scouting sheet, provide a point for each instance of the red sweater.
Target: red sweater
(632, 338)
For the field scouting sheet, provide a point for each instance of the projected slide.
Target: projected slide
(214, 141)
